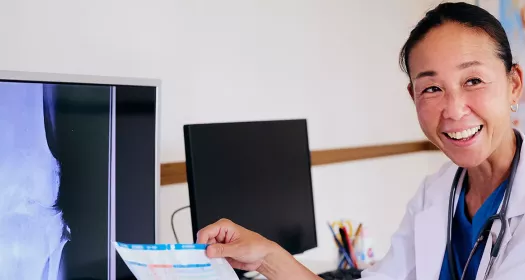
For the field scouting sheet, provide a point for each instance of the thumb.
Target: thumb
(219, 250)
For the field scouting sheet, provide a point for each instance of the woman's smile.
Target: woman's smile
(463, 137)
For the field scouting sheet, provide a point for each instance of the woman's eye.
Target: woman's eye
(473, 82)
(431, 89)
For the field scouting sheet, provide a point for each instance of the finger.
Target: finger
(220, 250)
(215, 231)
(221, 236)
(226, 235)
(208, 233)
(230, 235)
(211, 234)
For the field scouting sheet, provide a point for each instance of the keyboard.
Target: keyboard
(341, 274)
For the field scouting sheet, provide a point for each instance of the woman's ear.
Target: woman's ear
(410, 90)
(516, 84)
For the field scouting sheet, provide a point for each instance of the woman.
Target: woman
(464, 86)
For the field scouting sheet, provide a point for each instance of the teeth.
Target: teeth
(465, 133)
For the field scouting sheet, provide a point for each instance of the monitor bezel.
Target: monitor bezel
(43, 77)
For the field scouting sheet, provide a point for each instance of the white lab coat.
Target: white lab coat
(419, 244)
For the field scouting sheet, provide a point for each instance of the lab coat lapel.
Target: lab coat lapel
(517, 198)
(516, 208)
(431, 233)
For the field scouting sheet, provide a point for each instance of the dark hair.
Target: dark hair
(462, 13)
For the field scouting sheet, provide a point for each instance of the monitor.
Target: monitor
(256, 174)
(78, 171)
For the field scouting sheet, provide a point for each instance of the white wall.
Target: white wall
(358, 190)
(332, 62)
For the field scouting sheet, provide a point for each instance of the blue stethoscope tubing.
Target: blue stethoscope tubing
(485, 230)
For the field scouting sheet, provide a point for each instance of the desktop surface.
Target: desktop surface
(325, 269)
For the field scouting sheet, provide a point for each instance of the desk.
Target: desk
(316, 266)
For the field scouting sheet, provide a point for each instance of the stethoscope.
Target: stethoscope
(485, 230)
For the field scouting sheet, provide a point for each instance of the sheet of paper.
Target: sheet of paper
(173, 261)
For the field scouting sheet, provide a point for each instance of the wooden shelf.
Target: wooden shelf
(175, 172)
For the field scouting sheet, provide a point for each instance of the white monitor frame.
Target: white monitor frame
(110, 81)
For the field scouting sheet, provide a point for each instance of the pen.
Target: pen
(347, 257)
(357, 234)
(346, 242)
(342, 263)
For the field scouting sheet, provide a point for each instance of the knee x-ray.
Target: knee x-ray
(54, 170)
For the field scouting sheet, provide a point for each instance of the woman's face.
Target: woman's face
(462, 92)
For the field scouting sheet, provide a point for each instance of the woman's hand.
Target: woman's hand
(244, 249)
(247, 250)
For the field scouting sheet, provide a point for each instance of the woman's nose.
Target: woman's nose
(455, 107)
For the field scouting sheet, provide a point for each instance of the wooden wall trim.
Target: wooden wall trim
(172, 173)
(350, 154)
(175, 172)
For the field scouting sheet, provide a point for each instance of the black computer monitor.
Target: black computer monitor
(78, 171)
(256, 174)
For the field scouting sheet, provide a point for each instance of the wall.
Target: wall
(334, 63)
(373, 191)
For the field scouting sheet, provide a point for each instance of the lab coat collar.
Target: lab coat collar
(516, 208)
(517, 199)
(431, 228)
(430, 236)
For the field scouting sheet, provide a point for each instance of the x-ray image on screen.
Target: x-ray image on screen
(54, 181)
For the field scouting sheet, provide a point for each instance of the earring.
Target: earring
(514, 107)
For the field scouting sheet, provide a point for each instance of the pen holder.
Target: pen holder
(364, 252)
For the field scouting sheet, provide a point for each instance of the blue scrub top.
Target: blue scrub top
(465, 231)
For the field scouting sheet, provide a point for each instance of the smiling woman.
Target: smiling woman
(465, 86)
